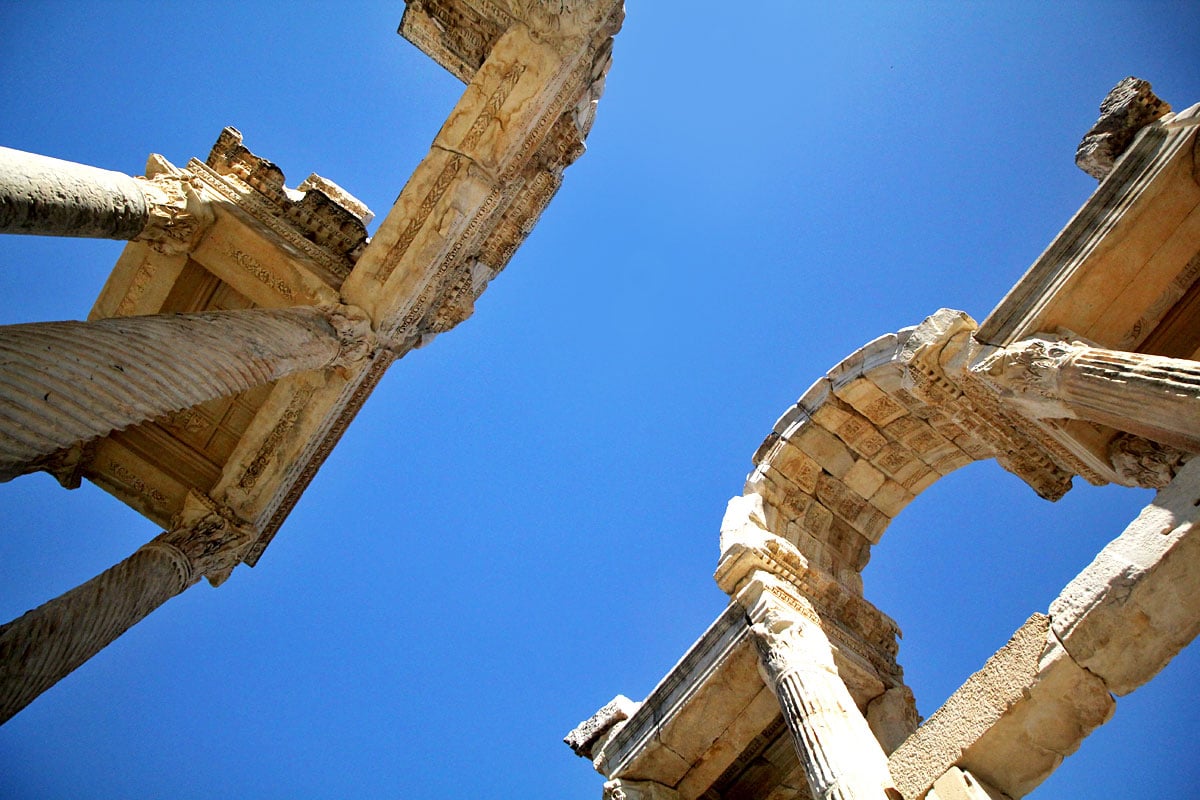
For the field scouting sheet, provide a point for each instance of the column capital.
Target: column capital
(1027, 374)
(177, 214)
(1044, 377)
(206, 539)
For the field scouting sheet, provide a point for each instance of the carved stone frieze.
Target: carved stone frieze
(569, 19)
(1142, 462)
(938, 362)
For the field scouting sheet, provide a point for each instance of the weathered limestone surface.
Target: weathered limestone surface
(1128, 108)
(1138, 603)
(51, 197)
(44, 645)
(1012, 722)
(959, 785)
(63, 383)
(840, 755)
(587, 735)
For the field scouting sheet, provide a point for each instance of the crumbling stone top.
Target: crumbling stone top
(1128, 108)
(327, 214)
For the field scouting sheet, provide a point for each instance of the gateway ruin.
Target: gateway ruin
(1090, 367)
(247, 322)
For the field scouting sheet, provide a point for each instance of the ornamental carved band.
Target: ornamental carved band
(62, 383)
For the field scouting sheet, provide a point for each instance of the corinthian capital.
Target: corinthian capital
(177, 215)
(210, 538)
(1029, 373)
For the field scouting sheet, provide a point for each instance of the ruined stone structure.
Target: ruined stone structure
(246, 322)
(1089, 367)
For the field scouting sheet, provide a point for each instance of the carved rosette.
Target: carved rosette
(356, 340)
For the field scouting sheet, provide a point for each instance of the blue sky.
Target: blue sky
(523, 520)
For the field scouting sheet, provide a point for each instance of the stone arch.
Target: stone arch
(881, 427)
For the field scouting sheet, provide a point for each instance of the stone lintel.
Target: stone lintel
(1127, 614)
(1095, 278)
(1012, 722)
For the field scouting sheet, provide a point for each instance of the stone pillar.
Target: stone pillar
(44, 645)
(1154, 397)
(49, 197)
(840, 756)
(62, 383)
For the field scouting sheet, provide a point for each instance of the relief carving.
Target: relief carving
(211, 538)
(178, 216)
(1142, 462)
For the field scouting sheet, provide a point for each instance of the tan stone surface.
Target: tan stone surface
(1138, 603)
(1012, 722)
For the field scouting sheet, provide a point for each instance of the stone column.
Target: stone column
(840, 756)
(44, 645)
(1151, 396)
(49, 197)
(62, 383)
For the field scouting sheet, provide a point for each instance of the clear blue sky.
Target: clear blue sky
(523, 521)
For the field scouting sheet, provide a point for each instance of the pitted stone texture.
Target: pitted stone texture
(1128, 108)
(50, 197)
(1138, 603)
(1012, 722)
(588, 733)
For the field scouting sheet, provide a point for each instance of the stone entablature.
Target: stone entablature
(271, 315)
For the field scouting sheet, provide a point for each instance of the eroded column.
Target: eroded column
(62, 383)
(46, 644)
(1151, 396)
(840, 756)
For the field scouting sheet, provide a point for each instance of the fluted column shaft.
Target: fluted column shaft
(840, 756)
(62, 383)
(1151, 396)
(44, 645)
